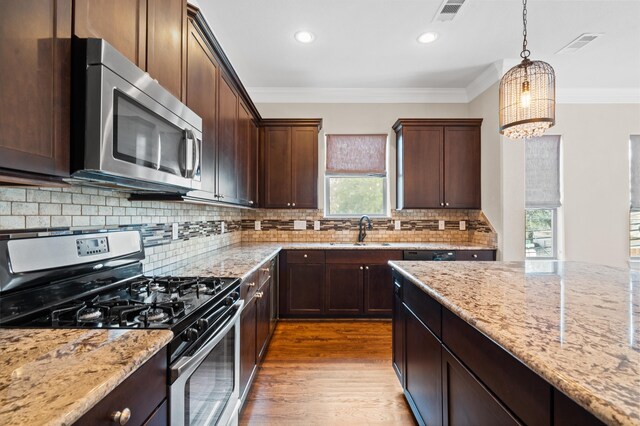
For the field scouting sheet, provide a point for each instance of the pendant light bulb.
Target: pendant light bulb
(525, 96)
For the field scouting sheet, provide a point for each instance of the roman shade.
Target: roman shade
(542, 175)
(357, 154)
(634, 171)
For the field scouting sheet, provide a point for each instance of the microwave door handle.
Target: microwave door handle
(184, 157)
(159, 152)
(189, 363)
(196, 156)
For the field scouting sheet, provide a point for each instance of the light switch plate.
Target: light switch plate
(174, 231)
(257, 225)
(222, 227)
(463, 225)
(300, 225)
(316, 225)
(441, 225)
(397, 225)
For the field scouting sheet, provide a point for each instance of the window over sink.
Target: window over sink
(356, 176)
(634, 213)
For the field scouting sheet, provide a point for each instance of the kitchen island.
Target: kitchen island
(54, 377)
(531, 339)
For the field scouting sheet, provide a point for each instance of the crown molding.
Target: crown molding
(619, 95)
(356, 95)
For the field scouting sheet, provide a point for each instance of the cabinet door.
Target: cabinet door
(253, 165)
(378, 290)
(35, 52)
(305, 289)
(344, 289)
(247, 344)
(423, 375)
(277, 167)
(263, 317)
(462, 167)
(201, 89)
(398, 335)
(166, 22)
(227, 128)
(420, 168)
(122, 23)
(304, 167)
(243, 151)
(466, 400)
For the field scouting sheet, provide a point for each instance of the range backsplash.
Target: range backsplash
(200, 227)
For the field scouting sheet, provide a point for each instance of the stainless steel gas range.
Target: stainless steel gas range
(96, 281)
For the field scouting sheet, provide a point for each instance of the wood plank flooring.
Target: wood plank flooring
(328, 373)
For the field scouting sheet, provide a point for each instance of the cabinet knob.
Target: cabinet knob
(305, 255)
(441, 204)
(366, 267)
(251, 284)
(251, 202)
(446, 204)
(259, 294)
(288, 204)
(121, 417)
(293, 204)
(267, 269)
(475, 256)
(361, 268)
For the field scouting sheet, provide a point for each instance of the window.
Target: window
(634, 216)
(542, 198)
(356, 175)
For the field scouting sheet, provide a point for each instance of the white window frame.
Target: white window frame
(554, 234)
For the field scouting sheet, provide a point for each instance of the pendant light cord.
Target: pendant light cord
(525, 52)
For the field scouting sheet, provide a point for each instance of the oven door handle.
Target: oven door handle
(189, 363)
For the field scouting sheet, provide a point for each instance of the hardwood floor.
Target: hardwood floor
(328, 373)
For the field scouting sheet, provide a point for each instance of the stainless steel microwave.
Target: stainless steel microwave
(127, 130)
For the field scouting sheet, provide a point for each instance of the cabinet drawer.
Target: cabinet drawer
(363, 256)
(249, 286)
(142, 393)
(266, 271)
(524, 392)
(476, 255)
(427, 309)
(305, 256)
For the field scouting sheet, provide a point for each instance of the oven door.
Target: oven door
(132, 135)
(206, 389)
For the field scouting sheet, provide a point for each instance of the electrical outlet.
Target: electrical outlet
(463, 225)
(316, 225)
(257, 225)
(174, 231)
(397, 225)
(222, 227)
(441, 225)
(299, 225)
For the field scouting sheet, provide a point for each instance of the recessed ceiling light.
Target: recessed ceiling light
(427, 38)
(304, 36)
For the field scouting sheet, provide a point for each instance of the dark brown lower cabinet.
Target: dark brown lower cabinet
(466, 400)
(464, 378)
(144, 393)
(304, 289)
(344, 289)
(247, 344)
(263, 319)
(423, 353)
(377, 290)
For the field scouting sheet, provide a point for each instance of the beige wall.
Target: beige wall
(361, 118)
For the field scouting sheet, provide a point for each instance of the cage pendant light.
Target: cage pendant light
(527, 95)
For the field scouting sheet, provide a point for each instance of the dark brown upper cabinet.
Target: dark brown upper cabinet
(202, 78)
(246, 158)
(227, 131)
(289, 153)
(150, 33)
(438, 163)
(35, 52)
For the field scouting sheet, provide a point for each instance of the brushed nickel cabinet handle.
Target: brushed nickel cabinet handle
(121, 417)
(305, 255)
(251, 284)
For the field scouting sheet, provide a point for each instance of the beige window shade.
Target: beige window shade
(357, 154)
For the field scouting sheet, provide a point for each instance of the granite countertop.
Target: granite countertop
(53, 377)
(575, 324)
(240, 260)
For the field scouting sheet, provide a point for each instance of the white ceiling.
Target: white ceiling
(371, 44)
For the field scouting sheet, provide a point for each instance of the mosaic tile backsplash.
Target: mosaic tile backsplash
(203, 228)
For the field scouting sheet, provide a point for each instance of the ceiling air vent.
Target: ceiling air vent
(579, 43)
(448, 10)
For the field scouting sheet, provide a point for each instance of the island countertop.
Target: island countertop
(53, 377)
(577, 325)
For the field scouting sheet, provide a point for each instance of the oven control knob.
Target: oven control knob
(190, 335)
(202, 324)
(231, 299)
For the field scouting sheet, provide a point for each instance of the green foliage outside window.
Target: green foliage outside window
(539, 233)
(356, 196)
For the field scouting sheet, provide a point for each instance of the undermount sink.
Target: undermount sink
(360, 244)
